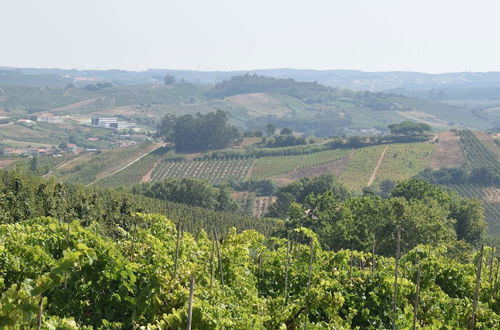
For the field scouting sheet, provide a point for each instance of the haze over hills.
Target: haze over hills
(353, 79)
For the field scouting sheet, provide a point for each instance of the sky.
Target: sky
(431, 36)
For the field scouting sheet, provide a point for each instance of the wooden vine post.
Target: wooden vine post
(219, 257)
(309, 279)
(373, 256)
(395, 294)
(490, 279)
(177, 248)
(190, 303)
(212, 265)
(287, 265)
(496, 278)
(39, 317)
(478, 286)
(417, 294)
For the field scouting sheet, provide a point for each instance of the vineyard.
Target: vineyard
(267, 167)
(476, 154)
(491, 201)
(356, 175)
(151, 278)
(402, 161)
(214, 171)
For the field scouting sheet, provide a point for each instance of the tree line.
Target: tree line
(485, 176)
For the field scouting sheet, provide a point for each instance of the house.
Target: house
(73, 147)
(25, 121)
(104, 122)
(50, 118)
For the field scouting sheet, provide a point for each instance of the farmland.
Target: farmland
(96, 166)
(214, 171)
(267, 167)
(358, 171)
(402, 161)
(476, 154)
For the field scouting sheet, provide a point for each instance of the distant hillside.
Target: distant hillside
(353, 79)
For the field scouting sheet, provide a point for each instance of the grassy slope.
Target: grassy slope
(99, 165)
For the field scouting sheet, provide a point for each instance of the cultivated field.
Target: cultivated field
(214, 171)
(403, 161)
(357, 173)
(476, 154)
(268, 167)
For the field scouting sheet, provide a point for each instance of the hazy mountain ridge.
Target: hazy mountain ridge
(354, 79)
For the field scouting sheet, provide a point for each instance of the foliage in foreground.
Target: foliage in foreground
(76, 277)
(24, 197)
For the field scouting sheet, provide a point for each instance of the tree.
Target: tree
(199, 132)
(166, 128)
(270, 129)
(286, 131)
(169, 79)
(34, 164)
(409, 128)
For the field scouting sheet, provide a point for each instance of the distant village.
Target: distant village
(122, 140)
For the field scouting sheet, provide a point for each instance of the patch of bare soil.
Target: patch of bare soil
(335, 167)
(448, 152)
(492, 195)
(6, 162)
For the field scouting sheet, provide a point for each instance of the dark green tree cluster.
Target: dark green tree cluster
(251, 83)
(426, 214)
(169, 79)
(409, 128)
(485, 176)
(300, 190)
(285, 139)
(191, 192)
(199, 132)
(263, 187)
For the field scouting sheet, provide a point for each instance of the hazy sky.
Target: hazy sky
(372, 35)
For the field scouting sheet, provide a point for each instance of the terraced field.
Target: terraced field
(267, 167)
(214, 171)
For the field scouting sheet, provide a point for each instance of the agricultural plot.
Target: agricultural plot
(490, 196)
(100, 104)
(403, 161)
(357, 173)
(267, 167)
(214, 171)
(476, 154)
